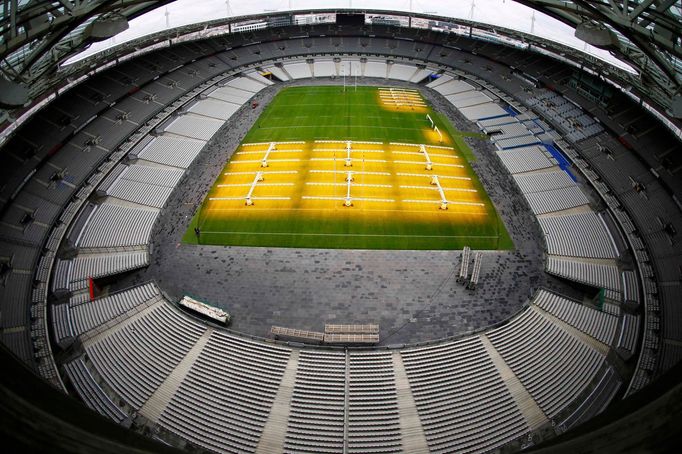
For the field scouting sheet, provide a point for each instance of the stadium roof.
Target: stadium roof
(38, 37)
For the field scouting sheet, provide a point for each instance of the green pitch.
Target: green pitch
(359, 169)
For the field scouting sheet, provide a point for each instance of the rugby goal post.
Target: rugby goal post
(428, 117)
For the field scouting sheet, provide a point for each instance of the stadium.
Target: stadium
(342, 228)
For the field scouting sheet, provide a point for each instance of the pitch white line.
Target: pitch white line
(271, 152)
(273, 172)
(343, 150)
(343, 159)
(360, 172)
(314, 183)
(398, 89)
(362, 199)
(449, 202)
(451, 156)
(433, 188)
(382, 210)
(429, 176)
(403, 100)
(439, 146)
(244, 198)
(439, 164)
(254, 144)
(350, 234)
(351, 141)
(418, 145)
(260, 160)
(249, 184)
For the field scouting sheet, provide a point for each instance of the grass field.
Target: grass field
(328, 168)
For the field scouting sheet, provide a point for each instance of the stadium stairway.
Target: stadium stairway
(413, 437)
(535, 418)
(275, 429)
(158, 401)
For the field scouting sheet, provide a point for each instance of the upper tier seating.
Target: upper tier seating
(117, 226)
(76, 318)
(577, 235)
(600, 325)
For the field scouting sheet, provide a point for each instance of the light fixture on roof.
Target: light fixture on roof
(106, 27)
(675, 109)
(12, 94)
(596, 34)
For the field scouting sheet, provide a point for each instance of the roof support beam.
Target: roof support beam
(640, 9)
(68, 5)
(650, 50)
(12, 17)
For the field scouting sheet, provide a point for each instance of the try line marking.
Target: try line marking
(350, 234)
(439, 212)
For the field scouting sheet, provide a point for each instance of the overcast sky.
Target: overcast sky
(505, 13)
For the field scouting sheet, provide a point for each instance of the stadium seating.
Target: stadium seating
(324, 68)
(76, 317)
(373, 416)
(545, 181)
(607, 386)
(525, 159)
(91, 393)
(115, 226)
(74, 162)
(460, 395)
(170, 151)
(377, 69)
(555, 200)
(597, 324)
(628, 332)
(569, 118)
(278, 72)
(224, 401)
(299, 70)
(98, 140)
(577, 235)
(595, 274)
(316, 419)
(135, 369)
(144, 185)
(401, 72)
(552, 365)
(480, 111)
(462, 401)
(451, 86)
(570, 236)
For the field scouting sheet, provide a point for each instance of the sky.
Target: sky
(506, 13)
